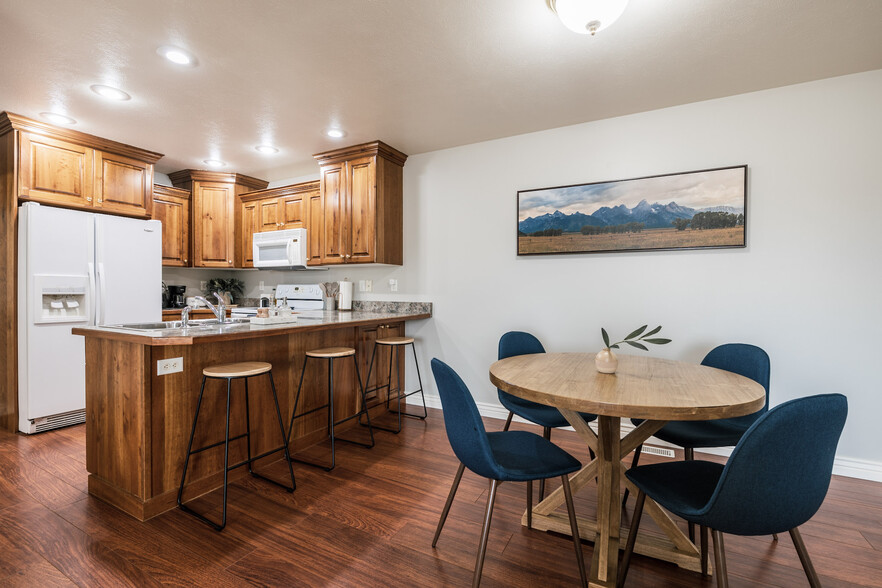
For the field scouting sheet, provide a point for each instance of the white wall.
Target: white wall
(806, 288)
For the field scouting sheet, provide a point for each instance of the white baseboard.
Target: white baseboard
(842, 466)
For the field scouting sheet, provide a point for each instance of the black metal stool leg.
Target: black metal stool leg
(331, 411)
(297, 398)
(248, 429)
(367, 382)
(420, 382)
(226, 455)
(190, 443)
(364, 407)
(283, 447)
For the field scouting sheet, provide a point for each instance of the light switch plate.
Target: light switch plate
(393, 285)
(368, 286)
(169, 366)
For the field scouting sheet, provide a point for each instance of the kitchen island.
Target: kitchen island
(138, 422)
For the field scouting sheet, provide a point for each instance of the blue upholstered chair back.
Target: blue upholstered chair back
(778, 475)
(465, 429)
(517, 343)
(745, 360)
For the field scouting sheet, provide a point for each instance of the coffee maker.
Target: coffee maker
(176, 296)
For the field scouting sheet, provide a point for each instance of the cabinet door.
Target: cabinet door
(123, 185)
(213, 217)
(249, 227)
(174, 214)
(55, 172)
(361, 188)
(314, 222)
(334, 215)
(268, 215)
(292, 212)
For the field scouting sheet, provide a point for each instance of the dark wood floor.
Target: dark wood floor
(367, 523)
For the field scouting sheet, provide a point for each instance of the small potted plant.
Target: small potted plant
(230, 288)
(607, 362)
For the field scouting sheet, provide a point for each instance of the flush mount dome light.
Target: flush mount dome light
(266, 149)
(587, 16)
(177, 55)
(335, 133)
(58, 119)
(214, 162)
(110, 92)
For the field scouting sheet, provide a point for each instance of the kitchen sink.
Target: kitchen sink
(193, 324)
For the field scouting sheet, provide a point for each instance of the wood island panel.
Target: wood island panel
(138, 423)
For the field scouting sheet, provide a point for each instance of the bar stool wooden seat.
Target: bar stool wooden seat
(330, 354)
(393, 344)
(229, 372)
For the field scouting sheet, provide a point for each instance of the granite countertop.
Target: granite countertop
(309, 320)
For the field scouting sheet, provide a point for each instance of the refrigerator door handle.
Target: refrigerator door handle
(93, 302)
(102, 295)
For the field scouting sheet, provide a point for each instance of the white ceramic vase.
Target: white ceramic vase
(606, 361)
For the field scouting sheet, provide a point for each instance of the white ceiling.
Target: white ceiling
(419, 74)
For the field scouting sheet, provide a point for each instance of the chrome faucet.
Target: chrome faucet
(185, 317)
(220, 311)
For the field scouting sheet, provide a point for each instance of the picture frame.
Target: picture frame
(703, 209)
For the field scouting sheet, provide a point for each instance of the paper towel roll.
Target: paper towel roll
(345, 296)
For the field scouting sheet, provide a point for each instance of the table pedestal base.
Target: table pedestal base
(606, 530)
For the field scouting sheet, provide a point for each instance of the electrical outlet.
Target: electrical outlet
(393, 285)
(203, 284)
(361, 286)
(169, 366)
(260, 285)
(368, 286)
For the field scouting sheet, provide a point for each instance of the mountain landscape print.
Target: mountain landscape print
(675, 211)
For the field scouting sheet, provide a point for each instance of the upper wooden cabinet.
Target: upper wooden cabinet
(362, 204)
(215, 226)
(275, 209)
(67, 168)
(171, 206)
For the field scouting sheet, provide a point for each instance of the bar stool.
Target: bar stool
(230, 372)
(394, 343)
(330, 354)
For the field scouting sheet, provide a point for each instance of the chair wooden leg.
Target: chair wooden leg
(546, 434)
(703, 533)
(774, 536)
(632, 539)
(804, 558)
(485, 532)
(530, 504)
(634, 461)
(450, 496)
(508, 421)
(574, 529)
(720, 560)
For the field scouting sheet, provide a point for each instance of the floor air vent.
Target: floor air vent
(57, 421)
(658, 451)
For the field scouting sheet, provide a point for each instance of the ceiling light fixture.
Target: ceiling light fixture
(109, 92)
(587, 16)
(266, 149)
(58, 119)
(177, 55)
(214, 162)
(335, 133)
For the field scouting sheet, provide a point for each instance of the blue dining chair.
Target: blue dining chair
(507, 456)
(775, 480)
(548, 417)
(746, 360)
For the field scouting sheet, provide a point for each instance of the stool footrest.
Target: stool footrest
(218, 444)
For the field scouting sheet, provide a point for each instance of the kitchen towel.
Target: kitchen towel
(345, 297)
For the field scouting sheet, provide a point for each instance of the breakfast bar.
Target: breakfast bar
(142, 382)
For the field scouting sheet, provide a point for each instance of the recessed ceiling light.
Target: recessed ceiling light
(266, 149)
(335, 133)
(177, 55)
(58, 119)
(214, 162)
(109, 92)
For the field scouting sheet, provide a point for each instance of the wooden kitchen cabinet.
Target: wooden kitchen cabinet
(65, 168)
(215, 228)
(171, 206)
(362, 204)
(286, 207)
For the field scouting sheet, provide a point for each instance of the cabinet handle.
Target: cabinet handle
(88, 199)
(100, 201)
(229, 261)
(348, 256)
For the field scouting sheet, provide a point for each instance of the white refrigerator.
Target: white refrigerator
(76, 269)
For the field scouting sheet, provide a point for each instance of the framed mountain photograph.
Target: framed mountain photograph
(688, 210)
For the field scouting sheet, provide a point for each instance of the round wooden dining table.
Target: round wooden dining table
(657, 390)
